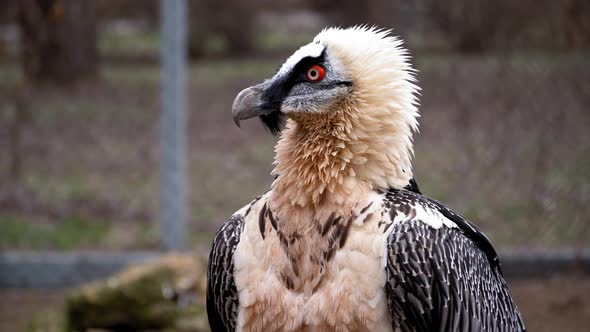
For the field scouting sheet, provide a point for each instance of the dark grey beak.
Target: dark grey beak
(247, 104)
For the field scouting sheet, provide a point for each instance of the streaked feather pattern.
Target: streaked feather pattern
(446, 278)
(222, 295)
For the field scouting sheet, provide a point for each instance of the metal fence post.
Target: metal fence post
(173, 123)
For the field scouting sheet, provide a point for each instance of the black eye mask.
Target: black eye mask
(273, 96)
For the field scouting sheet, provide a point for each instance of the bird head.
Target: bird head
(357, 67)
(352, 89)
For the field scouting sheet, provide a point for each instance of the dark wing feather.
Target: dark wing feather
(222, 295)
(413, 186)
(470, 230)
(444, 279)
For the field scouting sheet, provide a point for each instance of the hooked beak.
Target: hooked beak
(253, 101)
(247, 104)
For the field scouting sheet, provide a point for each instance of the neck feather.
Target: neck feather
(336, 158)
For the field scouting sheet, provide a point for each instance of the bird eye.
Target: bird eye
(315, 73)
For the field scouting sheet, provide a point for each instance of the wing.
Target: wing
(222, 295)
(444, 278)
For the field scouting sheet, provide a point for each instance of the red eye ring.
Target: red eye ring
(315, 73)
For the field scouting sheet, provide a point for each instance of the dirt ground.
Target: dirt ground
(556, 304)
(18, 307)
(560, 303)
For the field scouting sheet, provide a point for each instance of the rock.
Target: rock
(165, 294)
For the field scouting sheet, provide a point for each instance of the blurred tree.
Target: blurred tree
(480, 25)
(58, 40)
(576, 22)
(343, 13)
(147, 10)
(20, 121)
(8, 11)
(346, 13)
(384, 13)
(199, 29)
(470, 25)
(7, 16)
(232, 21)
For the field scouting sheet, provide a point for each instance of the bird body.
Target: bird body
(343, 240)
(327, 277)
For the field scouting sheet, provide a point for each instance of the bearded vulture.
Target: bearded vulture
(344, 240)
